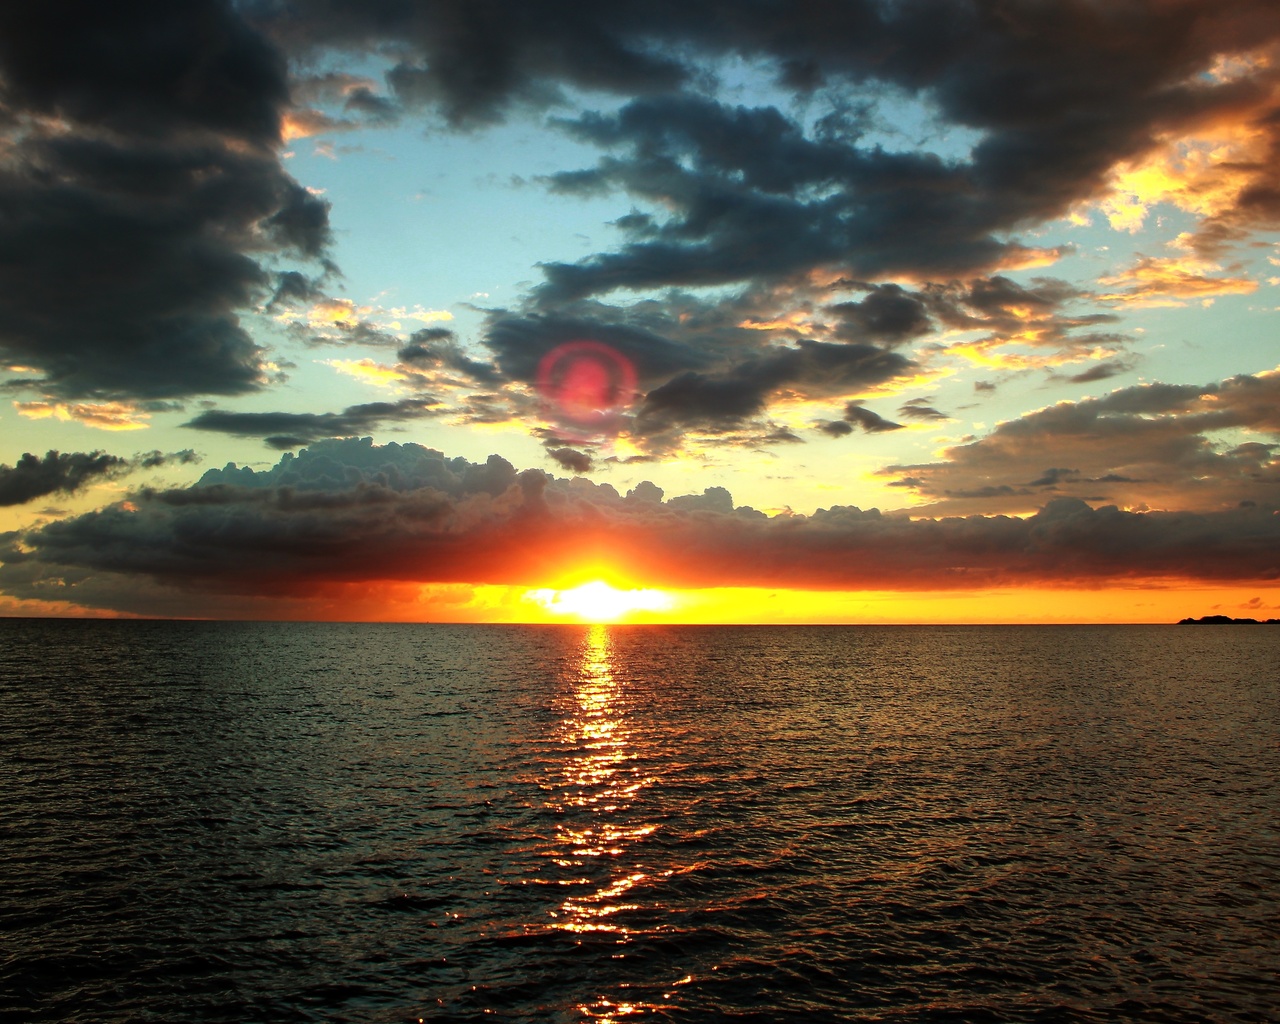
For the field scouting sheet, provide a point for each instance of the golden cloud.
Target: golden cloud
(99, 415)
(1170, 281)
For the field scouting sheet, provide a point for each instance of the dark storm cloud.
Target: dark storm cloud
(695, 399)
(752, 198)
(348, 511)
(703, 364)
(34, 476)
(571, 459)
(475, 61)
(57, 472)
(889, 315)
(724, 401)
(519, 342)
(146, 67)
(1051, 477)
(1054, 93)
(140, 191)
(144, 198)
(294, 288)
(437, 348)
(294, 429)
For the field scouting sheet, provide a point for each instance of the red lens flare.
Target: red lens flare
(587, 383)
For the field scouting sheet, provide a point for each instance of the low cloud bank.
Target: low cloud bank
(348, 511)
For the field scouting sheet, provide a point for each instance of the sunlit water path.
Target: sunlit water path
(283, 822)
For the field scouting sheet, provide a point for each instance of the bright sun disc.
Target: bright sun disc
(599, 602)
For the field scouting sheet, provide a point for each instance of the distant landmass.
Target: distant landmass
(1227, 620)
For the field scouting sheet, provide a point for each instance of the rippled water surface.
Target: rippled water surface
(281, 822)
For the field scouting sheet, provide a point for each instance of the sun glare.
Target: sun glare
(598, 602)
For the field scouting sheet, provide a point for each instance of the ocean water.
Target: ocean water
(244, 823)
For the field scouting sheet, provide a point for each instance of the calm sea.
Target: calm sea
(300, 822)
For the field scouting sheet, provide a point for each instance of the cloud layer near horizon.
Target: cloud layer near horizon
(352, 512)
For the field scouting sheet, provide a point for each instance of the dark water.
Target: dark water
(271, 823)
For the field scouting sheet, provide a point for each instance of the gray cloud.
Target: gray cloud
(869, 421)
(571, 459)
(1152, 445)
(293, 429)
(137, 230)
(725, 401)
(920, 409)
(437, 348)
(33, 477)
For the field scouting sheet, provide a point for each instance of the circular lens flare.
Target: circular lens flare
(587, 383)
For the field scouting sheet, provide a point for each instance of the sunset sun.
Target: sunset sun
(597, 601)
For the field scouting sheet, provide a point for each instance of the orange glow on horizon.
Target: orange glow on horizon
(1139, 601)
(1136, 601)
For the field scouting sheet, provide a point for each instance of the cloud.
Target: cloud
(571, 459)
(920, 409)
(99, 415)
(725, 401)
(34, 477)
(437, 349)
(872, 423)
(142, 190)
(148, 199)
(1148, 446)
(642, 335)
(156, 459)
(474, 64)
(57, 472)
(751, 198)
(889, 315)
(1023, 326)
(1172, 281)
(1100, 371)
(709, 367)
(346, 512)
(294, 429)
(1057, 105)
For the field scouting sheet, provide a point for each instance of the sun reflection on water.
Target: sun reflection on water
(595, 796)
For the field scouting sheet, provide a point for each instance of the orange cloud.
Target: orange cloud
(1155, 281)
(1220, 166)
(99, 415)
(306, 122)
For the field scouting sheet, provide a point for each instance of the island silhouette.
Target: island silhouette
(1227, 620)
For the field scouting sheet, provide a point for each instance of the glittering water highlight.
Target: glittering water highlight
(284, 822)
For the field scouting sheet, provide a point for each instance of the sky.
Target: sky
(865, 311)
